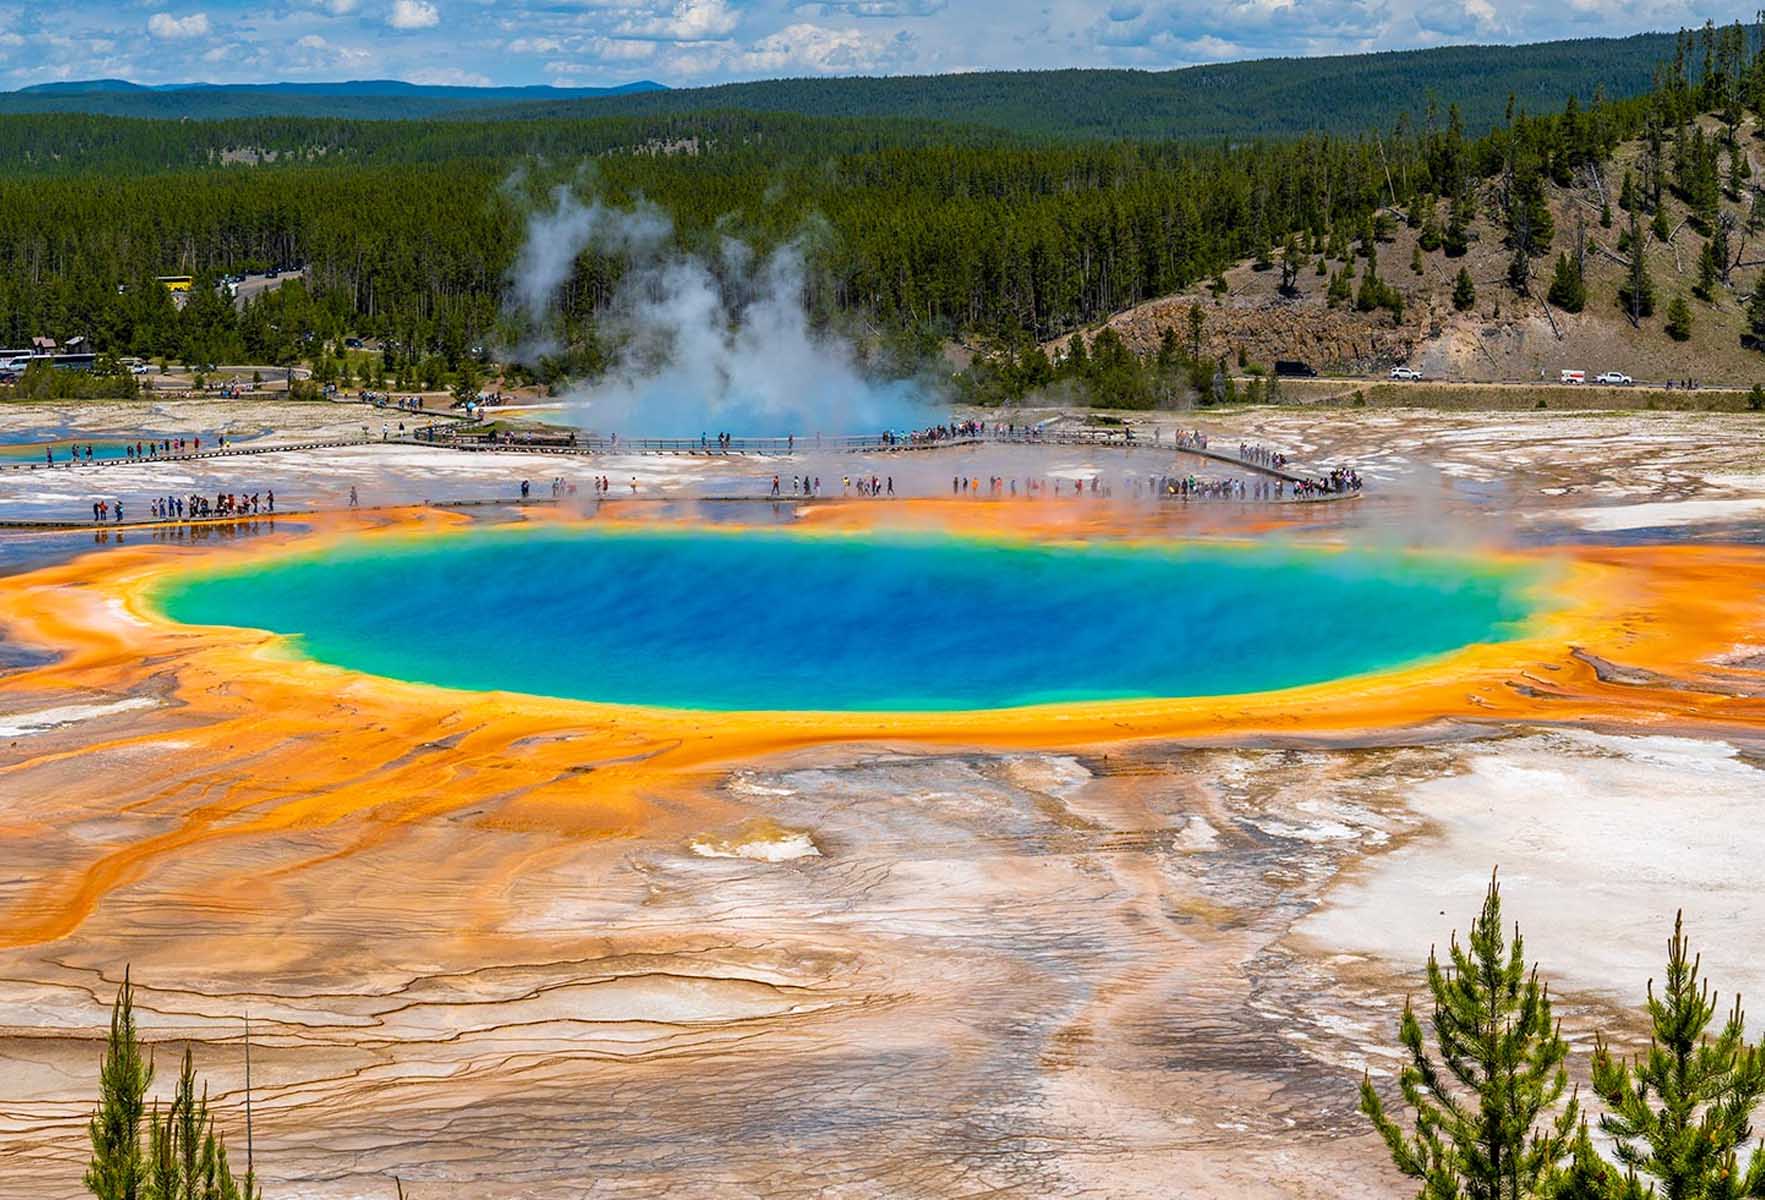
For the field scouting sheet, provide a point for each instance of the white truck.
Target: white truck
(1572, 377)
(1613, 379)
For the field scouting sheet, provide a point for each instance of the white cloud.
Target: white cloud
(448, 77)
(823, 51)
(319, 54)
(413, 14)
(340, 8)
(539, 45)
(685, 21)
(620, 49)
(169, 28)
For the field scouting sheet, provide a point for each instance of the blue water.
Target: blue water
(62, 448)
(780, 620)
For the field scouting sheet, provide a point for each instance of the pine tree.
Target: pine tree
(1681, 1113)
(186, 1158)
(1291, 257)
(1590, 1177)
(1756, 312)
(1457, 239)
(115, 1171)
(1464, 292)
(1636, 295)
(1170, 352)
(1520, 270)
(1705, 287)
(1484, 1127)
(1679, 319)
(1568, 289)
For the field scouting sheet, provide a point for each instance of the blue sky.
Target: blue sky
(685, 42)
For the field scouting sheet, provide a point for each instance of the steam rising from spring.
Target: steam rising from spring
(702, 347)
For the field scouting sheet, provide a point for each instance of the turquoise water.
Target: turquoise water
(62, 448)
(752, 620)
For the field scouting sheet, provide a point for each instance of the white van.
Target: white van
(1573, 377)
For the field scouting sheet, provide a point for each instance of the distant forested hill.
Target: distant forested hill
(385, 99)
(1345, 94)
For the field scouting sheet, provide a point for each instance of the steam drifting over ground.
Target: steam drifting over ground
(703, 346)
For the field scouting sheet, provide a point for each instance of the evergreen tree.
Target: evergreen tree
(1490, 1120)
(1457, 239)
(1291, 260)
(116, 1170)
(1705, 287)
(1679, 319)
(1719, 250)
(1429, 238)
(467, 381)
(1590, 1177)
(1636, 295)
(1520, 270)
(1170, 352)
(1464, 292)
(1756, 313)
(1681, 1113)
(1197, 322)
(1568, 289)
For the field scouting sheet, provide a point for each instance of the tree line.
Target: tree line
(914, 230)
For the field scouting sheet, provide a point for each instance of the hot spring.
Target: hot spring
(766, 620)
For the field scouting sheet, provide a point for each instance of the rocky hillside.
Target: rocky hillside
(1504, 335)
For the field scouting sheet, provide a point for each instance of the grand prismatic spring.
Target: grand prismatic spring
(687, 842)
(762, 620)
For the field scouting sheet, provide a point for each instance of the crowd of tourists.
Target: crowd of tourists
(1338, 482)
(1262, 456)
(193, 507)
(85, 452)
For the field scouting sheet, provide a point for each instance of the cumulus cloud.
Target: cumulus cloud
(318, 53)
(684, 21)
(169, 28)
(413, 14)
(1195, 30)
(449, 77)
(1457, 18)
(823, 50)
(876, 8)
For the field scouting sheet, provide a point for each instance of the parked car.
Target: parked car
(1613, 379)
(1405, 373)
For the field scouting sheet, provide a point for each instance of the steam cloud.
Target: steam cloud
(703, 347)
